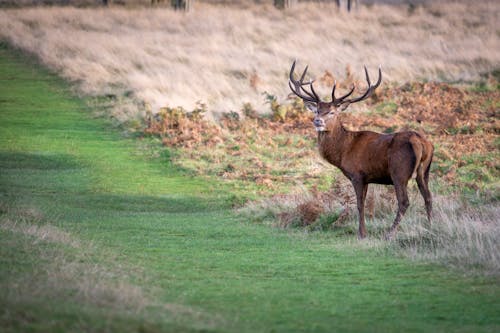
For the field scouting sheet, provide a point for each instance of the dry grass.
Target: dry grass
(315, 209)
(70, 273)
(31, 222)
(461, 235)
(57, 272)
(226, 56)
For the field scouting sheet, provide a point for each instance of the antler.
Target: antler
(299, 86)
(313, 97)
(338, 101)
(368, 92)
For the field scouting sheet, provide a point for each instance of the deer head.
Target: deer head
(323, 111)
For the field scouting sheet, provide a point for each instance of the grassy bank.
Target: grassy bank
(96, 236)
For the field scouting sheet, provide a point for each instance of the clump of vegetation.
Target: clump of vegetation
(312, 209)
(179, 128)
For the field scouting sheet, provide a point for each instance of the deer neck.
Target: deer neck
(333, 140)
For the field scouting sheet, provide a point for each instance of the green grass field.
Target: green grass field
(96, 236)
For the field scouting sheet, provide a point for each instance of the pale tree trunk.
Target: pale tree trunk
(290, 3)
(182, 4)
(284, 3)
(350, 4)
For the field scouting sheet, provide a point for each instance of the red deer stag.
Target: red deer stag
(367, 157)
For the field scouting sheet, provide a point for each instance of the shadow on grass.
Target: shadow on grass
(78, 196)
(38, 161)
(145, 204)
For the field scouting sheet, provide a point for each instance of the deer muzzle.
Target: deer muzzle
(319, 124)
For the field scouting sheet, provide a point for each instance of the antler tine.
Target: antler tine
(333, 91)
(291, 88)
(310, 83)
(299, 89)
(379, 77)
(292, 70)
(314, 92)
(367, 76)
(368, 91)
(338, 101)
(303, 74)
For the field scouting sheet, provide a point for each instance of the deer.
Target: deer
(367, 157)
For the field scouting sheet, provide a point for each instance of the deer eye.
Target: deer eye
(312, 107)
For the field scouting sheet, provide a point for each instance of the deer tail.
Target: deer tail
(418, 151)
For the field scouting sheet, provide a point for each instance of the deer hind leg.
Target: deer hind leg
(423, 186)
(403, 203)
(360, 188)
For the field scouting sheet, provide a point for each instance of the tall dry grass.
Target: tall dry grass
(462, 235)
(226, 56)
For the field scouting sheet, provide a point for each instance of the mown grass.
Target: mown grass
(95, 236)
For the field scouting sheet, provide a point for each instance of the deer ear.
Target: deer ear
(311, 106)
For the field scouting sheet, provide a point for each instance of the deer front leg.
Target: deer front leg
(360, 188)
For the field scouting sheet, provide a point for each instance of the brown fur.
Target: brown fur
(367, 157)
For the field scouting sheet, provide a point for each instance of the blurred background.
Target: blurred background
(225, 54)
